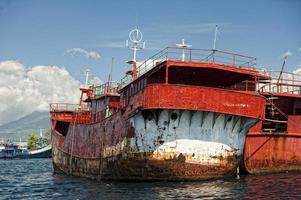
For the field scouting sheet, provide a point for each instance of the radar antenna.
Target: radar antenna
(135, 44)
(183, 46)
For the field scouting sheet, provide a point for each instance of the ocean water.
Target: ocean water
(34, 179)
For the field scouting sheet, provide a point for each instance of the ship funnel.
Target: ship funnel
(135, 44)
(183, 46)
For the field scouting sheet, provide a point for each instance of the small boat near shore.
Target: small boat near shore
(11, 151)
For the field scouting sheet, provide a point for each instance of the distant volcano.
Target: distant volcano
(25, 126)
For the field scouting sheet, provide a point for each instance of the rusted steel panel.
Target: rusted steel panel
(203, 98)
(138, 167)
(143, 167)
(193, 145)
(294, 124)
(256, 129)
(74, 117)
(63, 162)
(161, 144)
(272, 153)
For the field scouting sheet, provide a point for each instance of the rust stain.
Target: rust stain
(270, 153)
(141, 167)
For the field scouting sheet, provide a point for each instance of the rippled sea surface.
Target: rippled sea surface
(34, 179)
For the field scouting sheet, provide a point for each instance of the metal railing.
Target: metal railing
(287, 83)
(73, 113)
(195, 55)
(59, 107)
(106, 88)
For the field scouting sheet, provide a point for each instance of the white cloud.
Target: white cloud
(95, 81)
(286, 54)
(23, 91)
(300, 49)
(86, 53)
(298, 71)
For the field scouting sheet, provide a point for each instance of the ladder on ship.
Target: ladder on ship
(276, 120)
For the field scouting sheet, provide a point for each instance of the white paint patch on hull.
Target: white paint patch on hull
(207, 134)
(194, 151)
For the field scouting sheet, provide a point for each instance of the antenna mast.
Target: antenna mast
(112, 64)
(283, 64)
(183, 46)
(135, 44)
(87, 78)
(215, 37)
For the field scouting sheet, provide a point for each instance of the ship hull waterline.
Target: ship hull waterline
(158, 145)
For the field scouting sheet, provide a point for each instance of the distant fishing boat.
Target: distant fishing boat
(14, 151)
(20, 149)
(2, 147)
(44, 152)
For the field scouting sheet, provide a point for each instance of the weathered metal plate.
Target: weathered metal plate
(272, 153)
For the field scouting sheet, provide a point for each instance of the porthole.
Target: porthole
(174, 116)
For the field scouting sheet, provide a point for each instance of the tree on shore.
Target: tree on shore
(32, 142)
(48, 137)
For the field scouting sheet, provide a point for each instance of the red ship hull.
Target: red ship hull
(178, 121)
(114, 150)
(272, 153)
(275, 145)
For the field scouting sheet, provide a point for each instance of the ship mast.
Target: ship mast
(183, 46)
(281, 71)
(215, 37)
(135, 44)
(85, 89)
(87, 78)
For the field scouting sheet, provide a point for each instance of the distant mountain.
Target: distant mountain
(23, 127)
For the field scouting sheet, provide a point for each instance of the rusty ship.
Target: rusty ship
(274, 144)
(182, 114)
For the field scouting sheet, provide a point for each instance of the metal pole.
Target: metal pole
(215, 35)
(87, 77)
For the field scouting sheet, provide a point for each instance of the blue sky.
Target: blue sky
(36, 32)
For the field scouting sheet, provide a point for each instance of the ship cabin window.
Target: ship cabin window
(98, 105)
(298, 111)
(247, 85)
(104, 107)
(158, 76)
(209, 77)
(297, 105)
